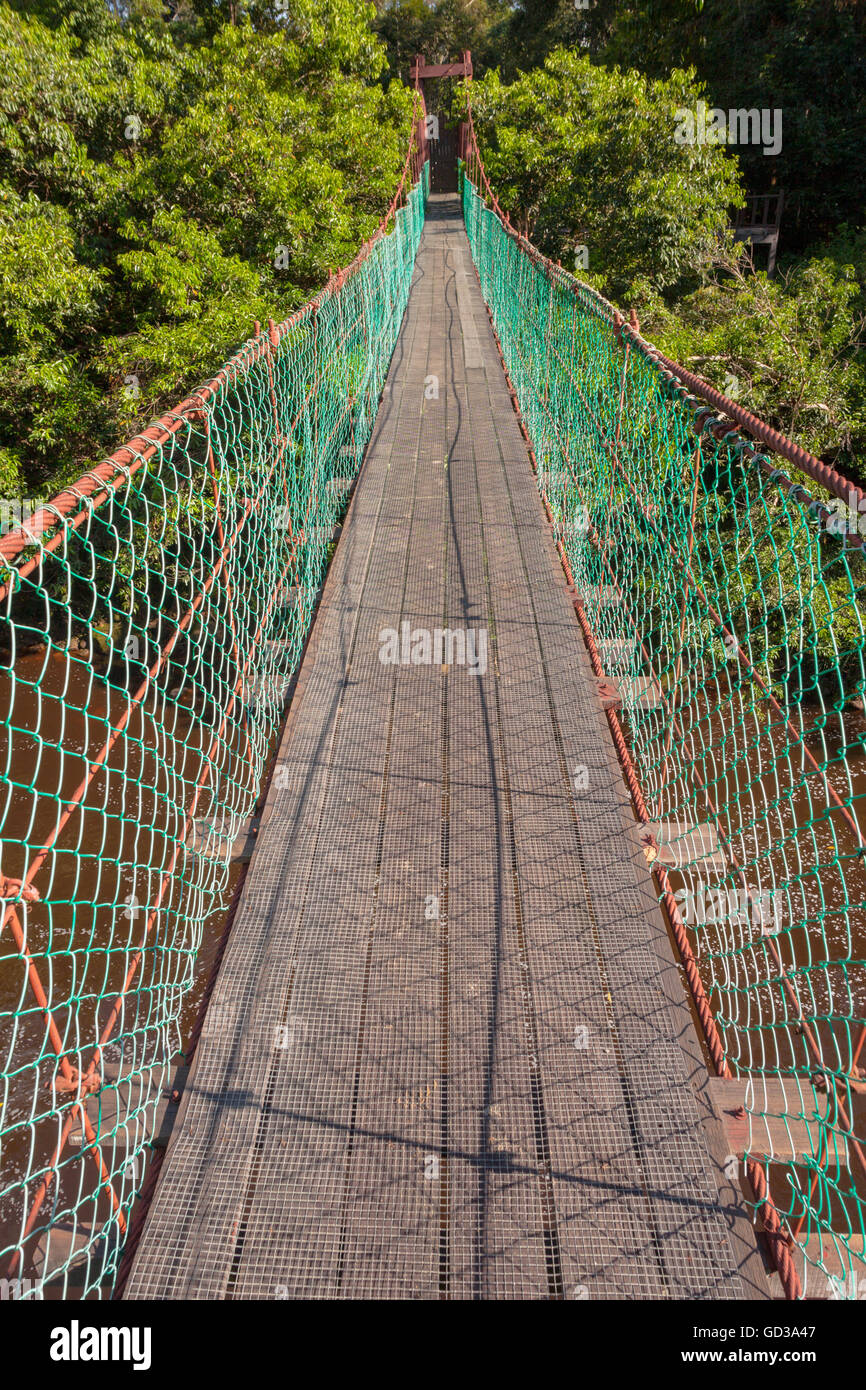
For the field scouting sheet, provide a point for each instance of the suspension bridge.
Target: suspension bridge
(431, 859)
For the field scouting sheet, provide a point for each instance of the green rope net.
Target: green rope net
(726, 604)
(153, 616)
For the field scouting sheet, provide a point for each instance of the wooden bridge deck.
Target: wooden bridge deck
(449, 1054)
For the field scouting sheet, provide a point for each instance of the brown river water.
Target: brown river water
(110, 857)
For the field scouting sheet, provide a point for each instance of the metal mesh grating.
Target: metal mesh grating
(431, 916)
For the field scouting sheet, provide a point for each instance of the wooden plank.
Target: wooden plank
(830, 1265)
(617, 653)
(599, 595)
(608, 693)
(641, 692)
(123, 1096)
(778, 1119)
(211, 836)
(66, 1247)
(635, 692)
(678, 845)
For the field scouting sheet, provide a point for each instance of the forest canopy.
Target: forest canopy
(173, 170)
(162, 186)
(575, 122)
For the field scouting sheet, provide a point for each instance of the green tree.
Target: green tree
(790, 348)
(806, 58)
(585, 156)
(164, 182)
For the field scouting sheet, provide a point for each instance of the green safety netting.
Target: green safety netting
(726, 603)
(152, 618)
